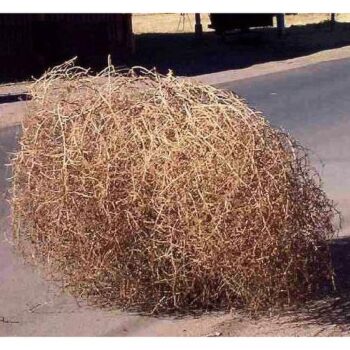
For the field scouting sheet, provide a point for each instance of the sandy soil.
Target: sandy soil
(173, 22)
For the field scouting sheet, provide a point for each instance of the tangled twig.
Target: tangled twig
(152, 193)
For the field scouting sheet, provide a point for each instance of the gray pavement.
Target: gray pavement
(313, 104)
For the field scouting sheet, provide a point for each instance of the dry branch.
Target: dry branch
(147, 192)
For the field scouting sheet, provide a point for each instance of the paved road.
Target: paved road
(313, 104)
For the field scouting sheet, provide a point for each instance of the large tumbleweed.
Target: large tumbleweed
(153, 193)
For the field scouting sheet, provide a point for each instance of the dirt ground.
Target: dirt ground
(174, 22)
(162, 42)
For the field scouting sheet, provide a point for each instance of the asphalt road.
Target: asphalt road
(313, 105)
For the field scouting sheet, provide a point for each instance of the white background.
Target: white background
(189, 6)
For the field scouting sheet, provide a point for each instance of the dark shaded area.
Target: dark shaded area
(332, 308)
(56, 42)
(185, 55)
(32, 43)
(38, 44)
(8, 98)
(8, 144)
(340, 250)
(223, 22)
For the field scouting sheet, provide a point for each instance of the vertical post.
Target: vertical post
(198, 29)
(127, 34)
(281, 24)
(332, 20)
(130, 35)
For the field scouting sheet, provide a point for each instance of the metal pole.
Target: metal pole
(332, 20)
(198, 29)
(281, 25)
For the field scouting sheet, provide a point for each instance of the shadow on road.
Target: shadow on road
(8, 144)
(186, 56)
(16, 97)
(332, 309)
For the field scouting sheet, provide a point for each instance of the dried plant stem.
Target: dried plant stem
(147, 192)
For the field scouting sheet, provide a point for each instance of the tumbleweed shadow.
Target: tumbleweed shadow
(332, 308)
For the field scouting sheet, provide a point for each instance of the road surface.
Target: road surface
(312, 103)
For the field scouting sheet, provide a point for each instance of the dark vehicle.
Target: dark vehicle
(225, 22)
